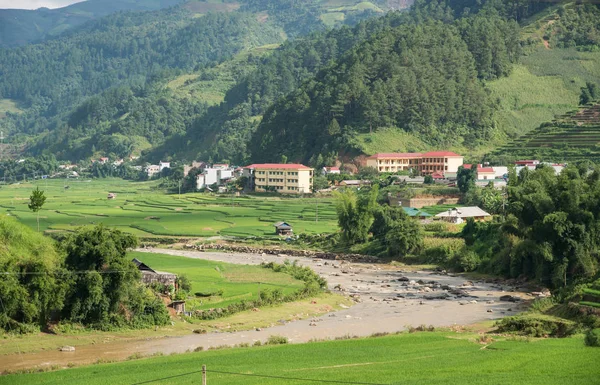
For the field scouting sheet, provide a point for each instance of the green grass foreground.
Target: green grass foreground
(238, 282)
(429, 358)
(142, 209)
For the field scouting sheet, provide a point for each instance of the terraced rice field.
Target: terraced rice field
(141, 209)
(568, 138)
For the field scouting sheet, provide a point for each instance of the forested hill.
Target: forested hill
(22, 26)
(59, 85)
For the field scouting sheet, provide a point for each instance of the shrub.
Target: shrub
(536, 326)
(468, 261)
(592, 338)
(277, 340)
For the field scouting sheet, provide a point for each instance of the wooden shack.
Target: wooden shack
(178, 306)
(283, 228)
(150, 276)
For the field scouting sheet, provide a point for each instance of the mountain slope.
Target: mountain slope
(20, 26)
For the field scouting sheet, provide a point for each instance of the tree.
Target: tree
(589, 93)
(355, 213)
(34, 287)
(320, 183)
(106, 289)
(36, 201)
(465, 178)
(428, 179)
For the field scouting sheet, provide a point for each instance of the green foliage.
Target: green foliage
(33, 285)
(355, 213)
(465, 178)
(384, 68)
(36, 200)
(400, 234)
(577, 26)
(592, 338)
(106, 291)
(536, 326)
(589, 93)
(565, 360)
(184, 283)
(550, 232)
(277, 340)
(313, 284)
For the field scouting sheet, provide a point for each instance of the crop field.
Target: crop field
(431, 358)
(238, 282)
(140, 208)
(571, 137)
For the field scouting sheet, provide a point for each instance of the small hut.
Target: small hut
(283, 228)
(178, 306)
(112, 196)
(150, 275)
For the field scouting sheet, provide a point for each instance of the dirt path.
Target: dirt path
(390, 300)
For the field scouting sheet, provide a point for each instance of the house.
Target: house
(221, 166)
(150, 276)
(178, 306)
(200, 181)
(355, 183)
(103, 160)
(500, 172)
(416, 213)
(425, 164)
(331, 170)
(284, 178)
(459, 214)
(111, 196)
(152, 170)
(162, 165)
(438, 175)
(118, 162)
(527, 163)
(216, 176)
(283, 228)
(67, 166)
(485, 173)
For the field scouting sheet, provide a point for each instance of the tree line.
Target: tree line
(86, 279)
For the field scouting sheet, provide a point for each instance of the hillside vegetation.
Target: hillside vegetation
(228, 86)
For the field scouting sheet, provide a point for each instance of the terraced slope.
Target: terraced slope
(571, 137)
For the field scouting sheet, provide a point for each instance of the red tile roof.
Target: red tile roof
(396, 155)
(480, 168)
(440, 153)
(279, 166)
(437, 175)
(333, 168)
(467, 166)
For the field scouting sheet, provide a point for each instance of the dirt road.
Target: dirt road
(389, 300)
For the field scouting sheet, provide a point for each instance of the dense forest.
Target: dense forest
(100, 88)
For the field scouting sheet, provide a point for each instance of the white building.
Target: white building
(200, 181)
(459, 214)
(162, 165)
(214, 175)
(152, 170)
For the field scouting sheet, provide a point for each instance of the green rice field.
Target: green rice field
(142, 209)
(427, 358)
(238, 282)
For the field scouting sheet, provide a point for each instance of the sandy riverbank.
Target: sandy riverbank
(390, 299)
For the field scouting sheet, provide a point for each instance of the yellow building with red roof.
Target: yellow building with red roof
(426, 164)
(290, 178)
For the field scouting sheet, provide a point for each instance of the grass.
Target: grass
(247, 320)
(432, 358)
(8, 105)
(143, 210)
(236, 281)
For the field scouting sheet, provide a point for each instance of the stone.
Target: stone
(67, 349)
(490, 311)
(510, 298)
(403, 279)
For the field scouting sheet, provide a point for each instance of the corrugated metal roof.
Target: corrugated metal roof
(464, 212)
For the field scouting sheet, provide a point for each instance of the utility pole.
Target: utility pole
(317, 210)
(203, 374)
